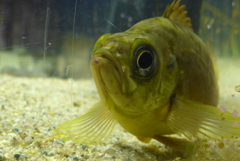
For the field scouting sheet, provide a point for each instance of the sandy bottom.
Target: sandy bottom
(30, 108)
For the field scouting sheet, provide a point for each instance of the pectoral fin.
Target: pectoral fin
(91, 127)
(144, 140)
(182, 145)
(198, 120)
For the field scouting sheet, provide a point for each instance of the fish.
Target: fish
(156, 80)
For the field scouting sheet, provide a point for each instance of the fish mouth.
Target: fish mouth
(104, 61)
(109, 59)
(107, 76)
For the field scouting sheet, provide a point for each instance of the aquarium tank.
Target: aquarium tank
(46, 50)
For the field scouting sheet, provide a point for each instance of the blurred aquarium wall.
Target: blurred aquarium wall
(220, 26)
(54, 38)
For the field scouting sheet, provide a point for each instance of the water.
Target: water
(53, 40)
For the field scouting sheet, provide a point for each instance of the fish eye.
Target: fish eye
(145, 60)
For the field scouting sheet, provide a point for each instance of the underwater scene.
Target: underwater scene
(120, 80)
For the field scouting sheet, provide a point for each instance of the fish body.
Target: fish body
(155, 79)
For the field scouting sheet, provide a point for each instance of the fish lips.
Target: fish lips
(106, 74)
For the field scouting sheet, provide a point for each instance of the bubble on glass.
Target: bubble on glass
(122, 15)
(237, 88)
(209, 26)
(235, 113)
(130, 19)
(223, 108)
(235, 124)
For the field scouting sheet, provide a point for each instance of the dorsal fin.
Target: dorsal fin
(177, 13)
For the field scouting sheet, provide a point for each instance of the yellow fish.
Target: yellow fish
(155, 79)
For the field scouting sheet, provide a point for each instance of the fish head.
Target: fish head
(128, 71)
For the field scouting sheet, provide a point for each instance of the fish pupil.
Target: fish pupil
(145, 60)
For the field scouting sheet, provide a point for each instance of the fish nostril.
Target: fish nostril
(96, 60)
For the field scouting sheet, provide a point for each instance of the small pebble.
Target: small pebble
(16, 141)
(75, 158)
(22, 135)
(28, 140)
(16, 129)
(48, 153)
(77, 103)
(3, 107)
(23, 157)
(2, 158)
(44, 152)
(85, 156)
(16, 156)
(51, 153)
(84, 147)
(66, 155)
(59, 141)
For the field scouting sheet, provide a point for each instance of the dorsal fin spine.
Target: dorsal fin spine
(177, 13)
